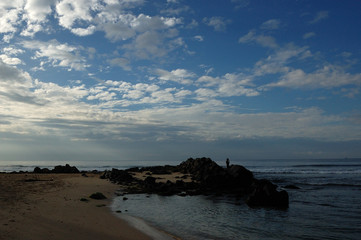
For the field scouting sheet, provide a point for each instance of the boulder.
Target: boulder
(240, 175)
(265, 194)
(202, 169)
(98, 196)
(118, 176)
(41, 170)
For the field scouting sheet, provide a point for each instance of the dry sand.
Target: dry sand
(49, 206)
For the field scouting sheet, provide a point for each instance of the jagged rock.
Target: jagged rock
(200, 168)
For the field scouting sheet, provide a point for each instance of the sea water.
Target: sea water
(327, 205)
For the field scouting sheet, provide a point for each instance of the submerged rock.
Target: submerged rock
(265, 194)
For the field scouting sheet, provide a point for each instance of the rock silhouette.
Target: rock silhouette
(207, 178)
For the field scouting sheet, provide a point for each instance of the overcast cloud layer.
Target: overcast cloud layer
(144, 80)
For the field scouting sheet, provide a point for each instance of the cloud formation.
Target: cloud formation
(112, 73)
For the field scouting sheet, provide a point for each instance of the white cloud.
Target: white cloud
(309, 35)
(329, 76)
(9, 56)
(10, 60)
(320, 16)
(181, 76)
(58, 54)
(263, 40)
(240, 3)
(10, 12)
(277, 62)
(229, 85)
(121, 62)
(36, 12)
(271, 24)
(71, 12)
(36, 108)
(218, 23)
(199, 38)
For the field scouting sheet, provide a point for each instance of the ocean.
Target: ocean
(327, 204)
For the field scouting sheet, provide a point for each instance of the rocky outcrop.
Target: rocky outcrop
(207, 178)
(57, 169)
(118, 176)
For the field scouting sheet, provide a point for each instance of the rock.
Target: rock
(41, 170)
(118, 176)
(291, 187)
(159, 170)
(200, 168)
(149, 181)
(208, 179)
(98, 196)
(65, 169)
(240, 175)
(265, 194)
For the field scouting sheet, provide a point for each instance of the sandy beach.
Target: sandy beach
(57, 206)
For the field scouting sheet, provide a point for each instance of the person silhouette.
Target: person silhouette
(227, 162)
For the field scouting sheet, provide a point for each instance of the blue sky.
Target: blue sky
(165, 80)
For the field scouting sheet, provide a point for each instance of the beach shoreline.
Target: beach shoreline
(57, 206)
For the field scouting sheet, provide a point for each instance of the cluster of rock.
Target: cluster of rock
(57, 169)
(208, 178)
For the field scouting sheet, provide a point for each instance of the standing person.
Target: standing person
(227, 162)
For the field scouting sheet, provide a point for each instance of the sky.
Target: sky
(139, 80)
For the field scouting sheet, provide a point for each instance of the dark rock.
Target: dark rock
(118, 176)
(159, 170)
(133, 169)
(265, 194)
(240, 175)
(41, 170)
(291, 187)
(149, 180)
(98, 196)
(200, 168)
(208, 179)
(65, 169)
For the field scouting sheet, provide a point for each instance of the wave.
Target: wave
(326, 165)
(330, 184)
(306, 172)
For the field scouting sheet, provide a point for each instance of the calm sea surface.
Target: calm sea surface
(327, 205)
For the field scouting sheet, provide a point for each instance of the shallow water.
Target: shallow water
(328, 206)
